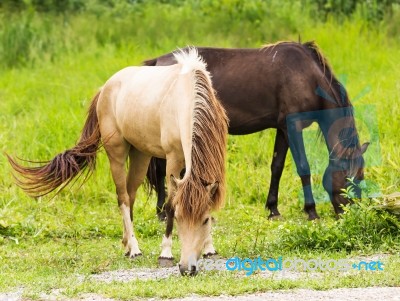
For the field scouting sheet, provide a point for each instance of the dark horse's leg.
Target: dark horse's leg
(160, 174)
(296, 144)
(309, 203)
(166, 259)
(278, 162)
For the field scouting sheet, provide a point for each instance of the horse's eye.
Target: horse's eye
(206, 221)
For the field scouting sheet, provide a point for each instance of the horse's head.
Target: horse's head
(341, 168)
(192, 207)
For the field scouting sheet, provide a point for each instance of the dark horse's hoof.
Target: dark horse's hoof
(274, 217)
(274, 214)
(165, 262)
(338, 212)
(162, 216)
(313, 216)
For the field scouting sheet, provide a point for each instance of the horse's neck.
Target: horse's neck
(182, 104)
(339, 131)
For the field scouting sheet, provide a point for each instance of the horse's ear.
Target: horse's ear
(212, 188)
(364, 147)
(174, 182)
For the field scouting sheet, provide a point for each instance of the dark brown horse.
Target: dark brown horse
(279, 86)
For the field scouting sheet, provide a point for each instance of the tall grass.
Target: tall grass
(31, 36)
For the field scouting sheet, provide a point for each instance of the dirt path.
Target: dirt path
(343, 294)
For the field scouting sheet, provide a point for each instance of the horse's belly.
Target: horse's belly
(148, 147)
(144, 134)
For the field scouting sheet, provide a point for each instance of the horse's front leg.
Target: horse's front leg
(209, 250)
(166, 259)
(296, 144)
(277, 165)
(175, 165)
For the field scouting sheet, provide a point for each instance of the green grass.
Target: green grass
(45, 89)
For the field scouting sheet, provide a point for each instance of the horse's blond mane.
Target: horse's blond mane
(209, 135)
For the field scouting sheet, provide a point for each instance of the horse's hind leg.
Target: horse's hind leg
(166, 259)
(138, 164)
(278, 162)
(117, 150)
(160, 173)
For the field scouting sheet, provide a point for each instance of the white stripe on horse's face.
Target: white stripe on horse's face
(194, 233)
(193, 239)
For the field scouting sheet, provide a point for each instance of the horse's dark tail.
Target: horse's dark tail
(63, 168)
(152, 175)
(155, 175)
(151, 62)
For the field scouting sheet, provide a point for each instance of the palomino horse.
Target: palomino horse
(274, 87)
(167, 112)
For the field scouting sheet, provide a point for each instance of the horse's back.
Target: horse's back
(130, 104)
(259, 86)
(149, 107)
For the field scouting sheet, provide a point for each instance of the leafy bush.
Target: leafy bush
(362, 227)
(33, 31)
(58, 6)
(372, 10)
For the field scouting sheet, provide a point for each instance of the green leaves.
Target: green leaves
(362, 228)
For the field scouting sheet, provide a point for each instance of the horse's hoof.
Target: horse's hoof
(212, 255)
(274, 214)
(132, 256)
(166, 262)
(338, 216)
(162, 216)
(313, 216)
(273, 217)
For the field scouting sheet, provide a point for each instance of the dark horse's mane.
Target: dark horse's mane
(339, 92)
(342, 100)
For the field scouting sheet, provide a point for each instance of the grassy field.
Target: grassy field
(51, 66)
